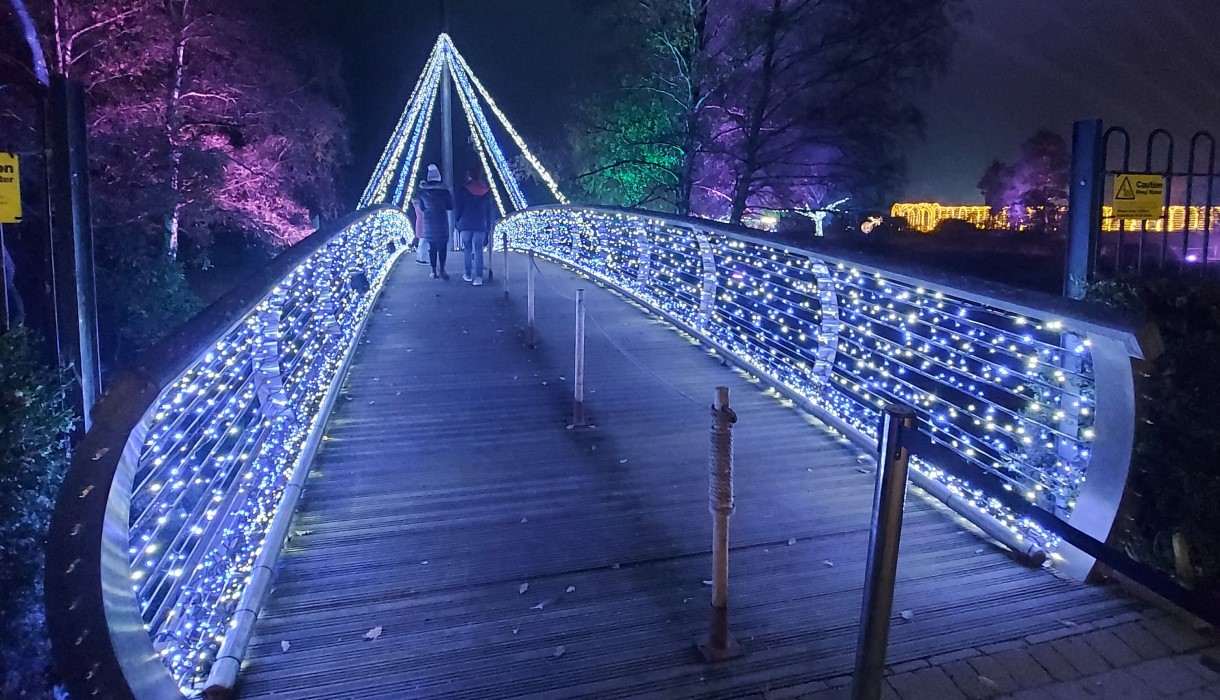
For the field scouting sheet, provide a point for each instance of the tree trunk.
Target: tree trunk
(172, 121)
(697, 12)
(752, 144)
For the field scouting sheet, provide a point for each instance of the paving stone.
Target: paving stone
(1002, 646)
(1141, 641)
(1021, 666)
(992, 669)
(1081, 655)
(1205, 668)
(942, 659)
(1167, 676)
(1031, 694)
(1060, 668)
(840, 693)
(1112, 649)
(1112, 684)
(925, 684)
(967, 680)
(795, 691)
(906, 666)
(1048, 635)
(1177, 635)
(1201, 694)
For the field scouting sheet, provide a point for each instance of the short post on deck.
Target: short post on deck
(531, 337)
(719, 645)
(880, 573)
(579, 418)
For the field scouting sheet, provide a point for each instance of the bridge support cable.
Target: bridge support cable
(512, 132)
(419, 133)
(383, 174)
(475, 111)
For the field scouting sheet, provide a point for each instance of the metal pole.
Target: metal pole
(4, 278)
(1084, 207)
(883, 539)
(719, 645)
(505, 244)
(530, 332)
(578, 397)
(72, 239)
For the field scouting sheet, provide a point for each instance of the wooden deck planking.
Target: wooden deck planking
(455, 433)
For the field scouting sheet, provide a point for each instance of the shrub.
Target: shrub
(1176, 461)
(34, 426)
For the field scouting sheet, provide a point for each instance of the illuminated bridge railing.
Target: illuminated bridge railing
(1032, 390)
(179, 498)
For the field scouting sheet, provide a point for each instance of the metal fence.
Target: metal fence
(1185, 238)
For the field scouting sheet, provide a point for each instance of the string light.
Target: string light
(224, 439)
(495, 109)
(1012, 394)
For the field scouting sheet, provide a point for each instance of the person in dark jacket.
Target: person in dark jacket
(432, 206)
(475, 215)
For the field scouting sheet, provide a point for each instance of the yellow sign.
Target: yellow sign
(10, 189)
(1138, 196)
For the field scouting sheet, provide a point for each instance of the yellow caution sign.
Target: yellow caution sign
(10, 189)
(1138, 196)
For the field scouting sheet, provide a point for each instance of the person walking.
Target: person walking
(475, 215)
(432, 206)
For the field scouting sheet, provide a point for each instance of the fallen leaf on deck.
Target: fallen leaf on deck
(525, 520)
(979, 551)
(559, 650)
(622, 461)
(372, 402)
(373, 633)
(791, 541)
(614, 566)
(539, 606)
(907, 615)
(302, 533)
(988, 683)
(523, 588)
(424, 561)
(1068, 623)
(571, 589)
(285, 645)
(516, 630)
(544, 384)
(827, 562)
(707, 583)
(864, 471)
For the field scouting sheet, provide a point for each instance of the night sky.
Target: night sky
(1019, 65)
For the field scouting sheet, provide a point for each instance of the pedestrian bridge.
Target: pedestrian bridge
(345, 479)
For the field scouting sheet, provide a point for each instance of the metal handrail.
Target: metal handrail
(1087, 350)
(102, 644)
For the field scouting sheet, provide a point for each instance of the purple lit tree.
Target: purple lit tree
(1031, 190)
(773, 104)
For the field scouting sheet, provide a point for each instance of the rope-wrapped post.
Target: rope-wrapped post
(881, 571)
(719, 645)
(530, 332)
(578, 386)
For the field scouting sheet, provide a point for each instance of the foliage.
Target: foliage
(1177, 449)
(1037, 181)
(763, 104)
(144, 294)
(631, 158)
(34, 423)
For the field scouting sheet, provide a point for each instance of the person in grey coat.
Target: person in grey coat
(433, 203)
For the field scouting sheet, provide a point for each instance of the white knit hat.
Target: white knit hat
(434, 173)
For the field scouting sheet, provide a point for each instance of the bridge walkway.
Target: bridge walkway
(495, 553)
